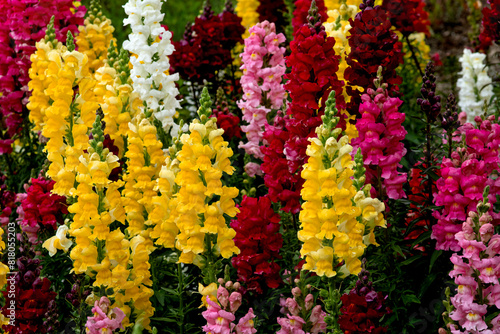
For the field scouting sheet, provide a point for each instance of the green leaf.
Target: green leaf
(434, 257)
(410, 260)
(408, 299)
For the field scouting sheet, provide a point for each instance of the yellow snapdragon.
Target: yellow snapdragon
(247, 10)
(337, 216)
(338, 26)
(95, 36)
(202, 200)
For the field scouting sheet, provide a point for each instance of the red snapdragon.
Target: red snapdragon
(490, 31)
(258, 238)
(373, 44)
(313, 76)
(300, 13)
(408, 16)
(207, 44)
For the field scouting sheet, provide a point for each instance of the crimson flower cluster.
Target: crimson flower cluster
(42, 209)
(408, 16)
(273, 11)
(7, 202)
(418, 198)
(227, 121)
(490, 25)
(258, 238)
(206, 45)
(301, 10)
(22, 24)
(32, 298)
(463, 179)
(373, 44)
(362, 308)
(313, 76)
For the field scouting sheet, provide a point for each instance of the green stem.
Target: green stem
(413, 55)
(180, 291)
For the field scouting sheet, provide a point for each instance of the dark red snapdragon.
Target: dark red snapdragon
(301, 12)
(206, 45)
(258, 238)
(373, 44)
(490, 31)
(362, 308)
(408, 16)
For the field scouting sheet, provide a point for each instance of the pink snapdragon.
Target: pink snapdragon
(263, 70)
(220, 314)
(104, 320)
(296, 315)
(380, 134)
(463, 179)
(476, 274)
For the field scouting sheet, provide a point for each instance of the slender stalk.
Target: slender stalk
(180, 291)
(414, 56)
(195, 98)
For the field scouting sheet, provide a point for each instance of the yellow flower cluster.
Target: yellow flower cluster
(95, 36)
(337, 26)
(337, 220)
(336, 4)
(202, 199)
(190, 212)
(422, 50)
(247, 10)
(39, 100)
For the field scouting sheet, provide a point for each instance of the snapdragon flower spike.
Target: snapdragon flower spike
(363, 307)
(258, 238)
(490, 31)
(463, 178)
(221, 310)
(23, 24)
(338, 215)
(303, 315)
(476, 272)
(42, 209)
(430, 103)
(150, 43)
(206, 45)
(371, 35)
(95, 36)
(263, 70)
(380, 138)
(301, 13)
(203, 202)
(408, 16)
(475, 89)
(273, 11)
(247, 10)
(312, 78)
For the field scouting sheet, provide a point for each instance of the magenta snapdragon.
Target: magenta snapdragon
(263, 69)
(463, 179)
(380, 138)
(23, 24)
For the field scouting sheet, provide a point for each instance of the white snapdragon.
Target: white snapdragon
(150, 60)
(475, 89)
